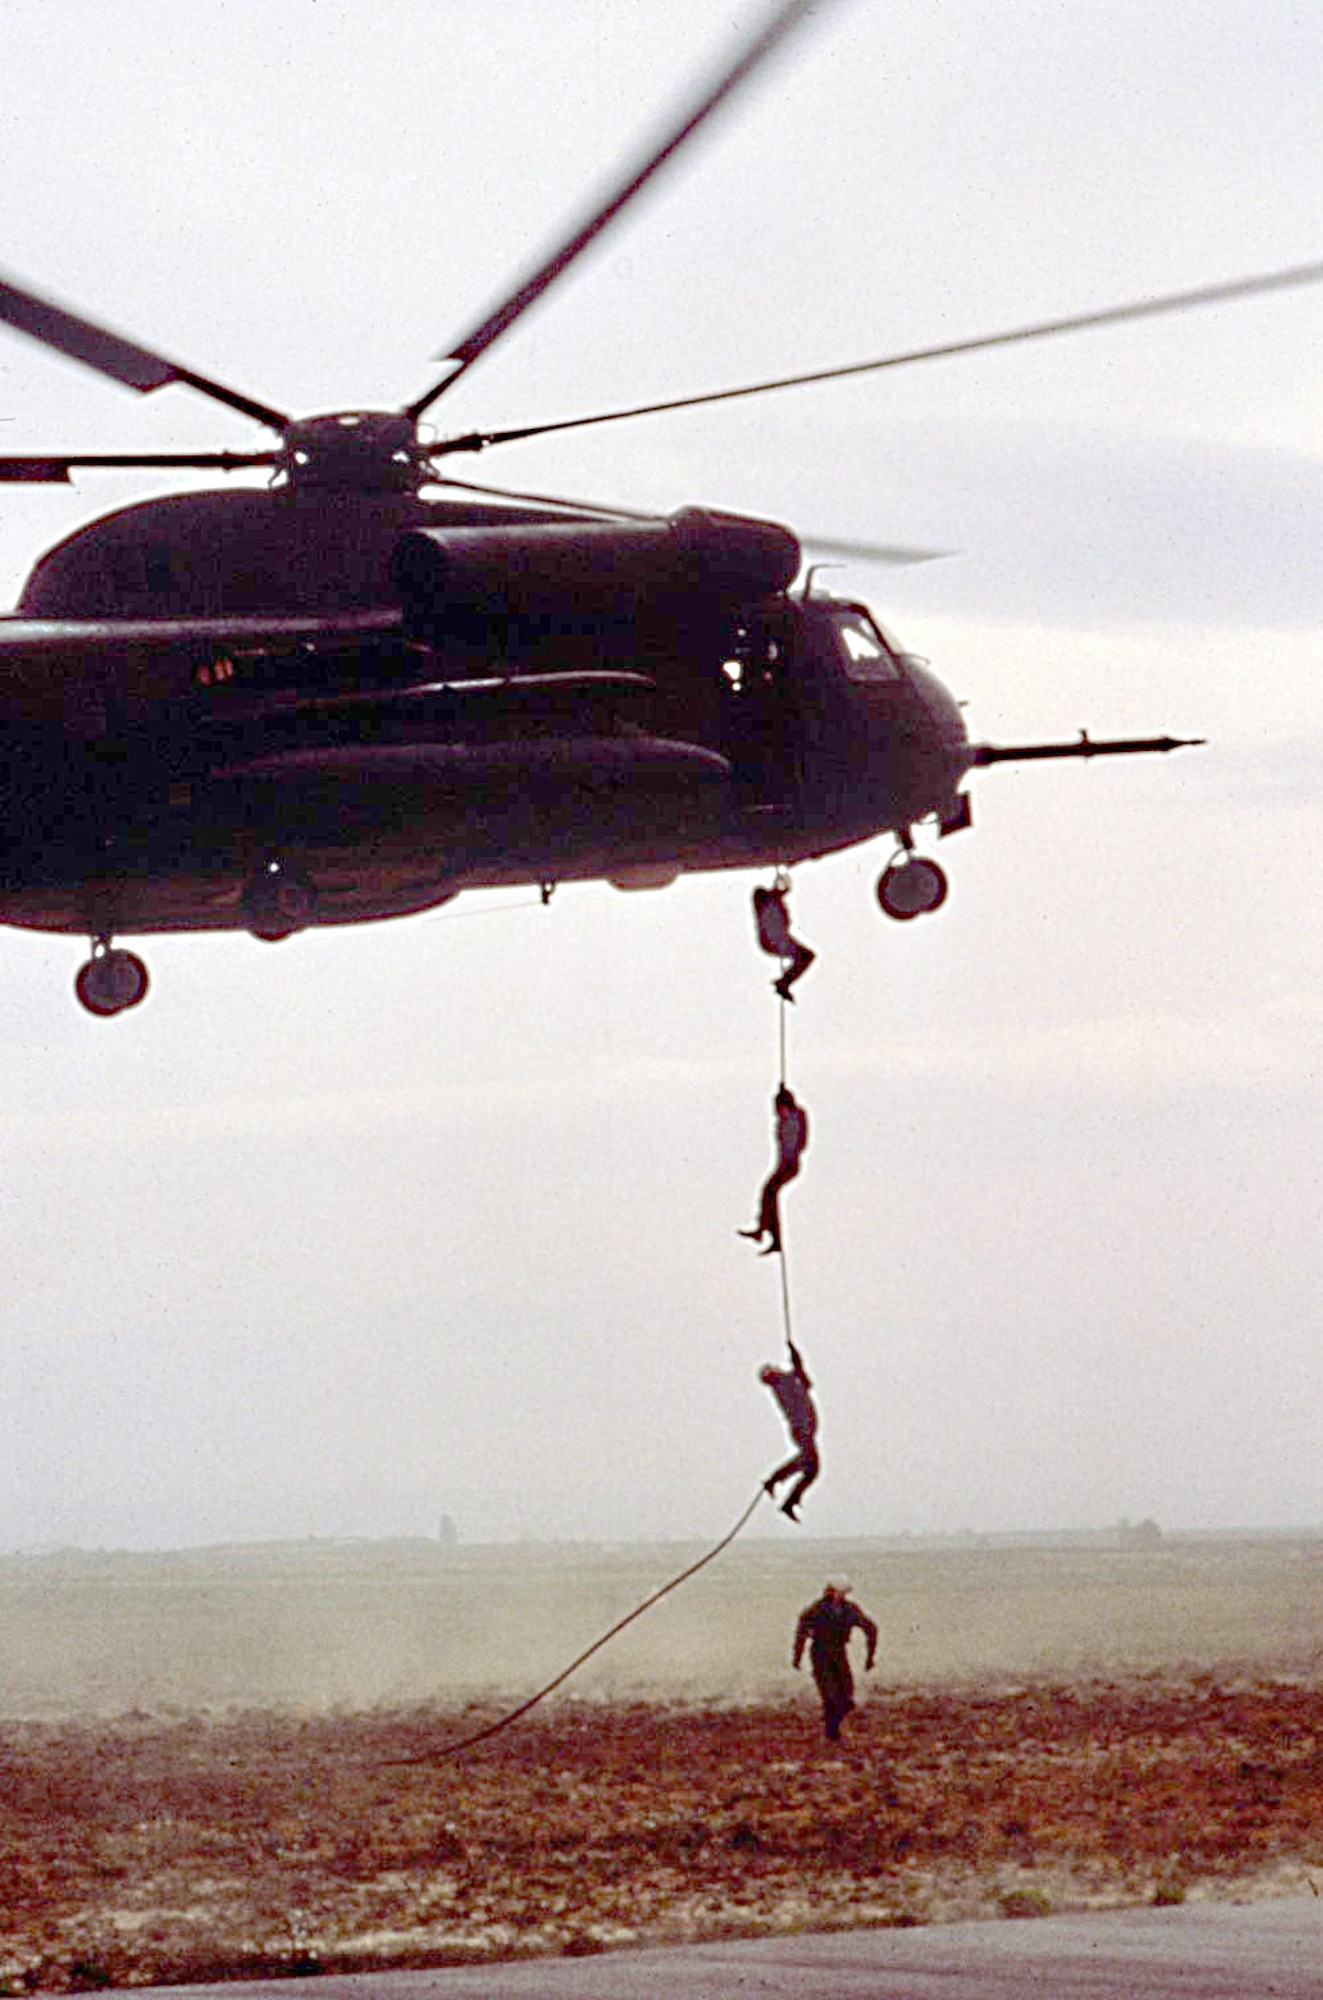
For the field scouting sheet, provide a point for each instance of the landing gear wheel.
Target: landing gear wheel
(111, 981)
(278, 902)
(911, 887)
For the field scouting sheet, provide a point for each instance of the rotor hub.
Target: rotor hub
(362, 451)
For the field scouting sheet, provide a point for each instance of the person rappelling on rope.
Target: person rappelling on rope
(773, 920)
(791, 1139)
(791, 1387)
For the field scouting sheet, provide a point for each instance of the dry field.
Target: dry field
(1047, 1764)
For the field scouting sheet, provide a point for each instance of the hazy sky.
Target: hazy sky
(440, 1215)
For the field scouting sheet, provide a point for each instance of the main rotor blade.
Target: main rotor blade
(546, 500)
(123, 360)
(466, 351)
(1171, 302)
(894, 554)
(56, 471)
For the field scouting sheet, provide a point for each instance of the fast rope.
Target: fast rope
(783, 1258)
(781, 882)
(790, 1386)
(483, 1735)
(445, 1750)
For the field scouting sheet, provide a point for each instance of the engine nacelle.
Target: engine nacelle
(589, 569)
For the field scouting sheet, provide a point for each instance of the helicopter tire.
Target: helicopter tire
(912, 887)
(278, 901)
(111, 981)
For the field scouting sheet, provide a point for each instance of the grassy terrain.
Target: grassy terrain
(334, 1624)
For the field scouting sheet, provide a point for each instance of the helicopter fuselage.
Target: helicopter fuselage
(566, 698)
(336, 700)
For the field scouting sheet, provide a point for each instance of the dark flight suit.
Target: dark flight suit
(825, 1629)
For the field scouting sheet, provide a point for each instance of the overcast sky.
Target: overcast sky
(439, 1216)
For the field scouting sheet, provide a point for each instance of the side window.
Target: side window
(867, 655)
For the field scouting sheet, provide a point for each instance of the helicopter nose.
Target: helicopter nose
(941, 705)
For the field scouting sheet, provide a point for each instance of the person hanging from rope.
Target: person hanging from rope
(772, 918)
(791, 1139)
(825, 1628)
(791, 1387)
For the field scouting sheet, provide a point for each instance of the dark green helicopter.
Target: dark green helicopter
(371, 685)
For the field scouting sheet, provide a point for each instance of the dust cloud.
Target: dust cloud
(327, 1625)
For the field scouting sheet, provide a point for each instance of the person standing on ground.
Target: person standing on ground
(825, 1628)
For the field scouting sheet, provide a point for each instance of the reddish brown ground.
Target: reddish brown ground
(141, 1851)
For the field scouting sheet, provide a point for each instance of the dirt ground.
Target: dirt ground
(141, 1850)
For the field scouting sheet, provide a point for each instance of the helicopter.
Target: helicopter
(370, 685)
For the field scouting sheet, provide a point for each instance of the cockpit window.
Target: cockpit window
(867, 655)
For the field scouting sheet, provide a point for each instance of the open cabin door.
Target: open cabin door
(763, 708)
